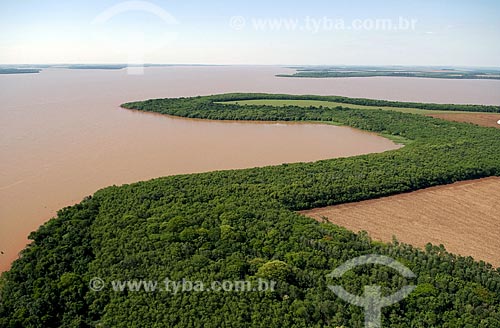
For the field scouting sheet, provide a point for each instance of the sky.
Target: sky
(263, 32)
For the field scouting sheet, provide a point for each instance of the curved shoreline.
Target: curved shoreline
(56, 192)
(242, 223)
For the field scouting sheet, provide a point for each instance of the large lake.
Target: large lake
(63, 134)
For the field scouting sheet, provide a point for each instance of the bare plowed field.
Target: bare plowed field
(489, 120)
(464, 217)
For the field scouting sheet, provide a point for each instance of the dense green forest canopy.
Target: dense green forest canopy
(242, 224)
(229, 99)
(331, 104)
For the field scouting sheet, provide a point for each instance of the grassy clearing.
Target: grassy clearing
(331, 104)
(399, 140)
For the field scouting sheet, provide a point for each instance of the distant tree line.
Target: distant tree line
(445, 74)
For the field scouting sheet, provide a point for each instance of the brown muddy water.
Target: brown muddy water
(63, 135)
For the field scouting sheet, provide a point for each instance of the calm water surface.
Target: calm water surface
(63, 135)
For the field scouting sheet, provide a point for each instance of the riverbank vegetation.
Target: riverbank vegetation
(280, 100)
(19, 70)
(396, 71)
(240, 224)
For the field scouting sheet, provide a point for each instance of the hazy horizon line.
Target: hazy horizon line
(281, 65)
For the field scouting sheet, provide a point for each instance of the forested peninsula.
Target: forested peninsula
(243, 224)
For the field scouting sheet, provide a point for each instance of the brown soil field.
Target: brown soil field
(464, 217)
(489, 120)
